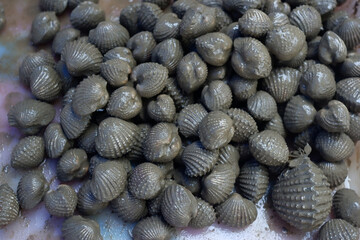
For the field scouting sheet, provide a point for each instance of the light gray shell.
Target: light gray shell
(124, 103)
(336, 172)
(173, 89)
(86, 16)
(244, 124)
(129, 208)
(332, 49)
(9, 205)
(86, 141)
(349, 31)
(348, 92)
(152, 228)
(56, 143)
(216, 95)
(346, 204)
(56, 6)
(205, 215)
(308, 19)
(162, 109)
(61, 202)
(129, 17)
(167, 26)
(338, 229)
(189, 119)
(141, 45)
(168, 53)
(351, 65)
(72, 124)
(262, 106)
(62, 37)
(87, 203)
(353, 131)
(44, 27)
(116, 72)
(121, 53)
(255, 23)
(73, 164)
(28, 153)
(242, 88)
(148, 15)
(77, 227)
(334, 117)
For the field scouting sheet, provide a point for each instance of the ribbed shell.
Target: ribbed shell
(74, 3)
(120, 53)
(56, 143)
(9, 205)
(148, 15)
(56, 6)
(229, 155)
(308, 19)
(335, 172)
(276, 124)
(129, 208)
(222, 18)
(334, 147)
(205, 215)
(190, 183)
(178, 206)
(334, 117)
(162, 109)
(154, 205)
(67, 80)
(332, 49)
(236, 211)
(87, 203)
(77, 227)
(87, 140)
(348, 92)
(72, 124)
(351, 65)
(262, 106)
(141, 45)
(323, 6)
(306, 137)
(279, 19)
(28, 153)
(241, 6)
(335, 19)
(244, 124)
(180, 7)
(61, 202)
(86, 16)
(338, 229)
(168, 53)
(73, 164)
(346, 204)
(161, 3)
(166, 27)
(313, 49)
(276, 6)
(306, 65)
(216, 95)
(296, 61)
(44, 27)
(232, 30)
(30, 115)
(124, 103)
(45, 83)
(129, 17)
(353, 131)
(152, 228)
(189, 119)
(62, 37)
(349, 31)
(115, 137)
(302, 196)
(242, 88)
(181, 99)
(116, 72)
(136, 152)
(255, 23)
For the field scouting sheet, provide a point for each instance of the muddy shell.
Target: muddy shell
(335, 19)
(129, 208)
(308, 19)
(190, 183)
(262, 106)
(129, 17)
(72, 124)
(348, 92)
(136, 152)
(86, 141)
(279, 19)
(44, 27)
(168, 53)
(189, 119)
(121, 53)
(229, 155)
(152, 228)
(86, 16)
(28, 153)
(242, 88)
(124, 103)
(338, 229)
(61, 202)
(167, 26)
(205, 215)
(216, 96)
(162, 109)
(353, 132)
(141, 45)
(244, 124)
(173, 89)
(334, 117)
(351, 65)
(87, 203)
(346, 204)
(313, 48)
(9, 205)
(62, 37)
(349, 31)
(148, 15)
(241, 6)
(276, 6)
(180, 7)
(232, 30)
(72, 164)
(255, 23)
(77, 227)
(336, 172)
(332, 49)
(56, 6)
(56, 142)
(276, 124)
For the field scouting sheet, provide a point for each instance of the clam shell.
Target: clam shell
(349, 31)
(73, 164)
(50, 5)
(9, 205)
(276, 6)
(152, 228)
(332, 49)
(129, 208)
(67, 80)
(335, 19)
(77, 227)
(87, 203)
(62, 37)
(217, 73)
(154, 205)
(172, 89)
(346, 204)
(61, 202)
(334, 117)
(86, 16)
(161, 3)
(241, 6)
(276, 124)
(232, 30)
(141, 45)
(168, 53)
(72, 124)
(296, 61)
(351, 65)
(192, 184)
(205, 215)
(189, 119)
(335, 172)
(166, 27)
(308, 19)
(338, 229)
(148, 15)
(56, 143)
(313, 48)
(44, 27)
(162, 109)
(129, 17)
(353, 132)
(28, 153)
(45, 83)
(124, 103)
(306, 137)
(348, 92)
(136, 152)
(279, 19)
(216, 95)
(86, 141)
(323, 6)
(242, 88)
(116, 72)
(121, 53)
(181, 6)
(244, 124)
(255, 23)
(262, 106)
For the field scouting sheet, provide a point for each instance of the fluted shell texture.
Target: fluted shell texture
(152, 228)
(346, 204)
(9, 205)
(77, 227)
(338, 229)
(28, 153)
(61, 202)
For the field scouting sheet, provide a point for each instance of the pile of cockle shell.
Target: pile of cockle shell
(182, 115)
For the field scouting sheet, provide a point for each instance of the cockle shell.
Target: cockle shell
(346, 204)
(162, 109)
(306, 137)
(229, 155)
(336, 172)
(73, 164)
(56, 6)
(44, 27)
(276, 6)
(332, 49)
(180, 7)
(62, 37)
(192, 184)
(77, 227)
(323, 6)
(232, 30)
(56, 143)
(161, 3)
(262, 106)
(241, 6)
(129, 208)
(308, 19)
(67, 80)
(87, 203)
(217, 73)
(86, 141)
(154, 205)
(205, 215)
(166, 27)
(86, 16)
(168, 53)
(74, 3)
(9, 205)
(276, 124)
(28, 153)
(121, 53)
(353, 132)
(124, 103)
(334, 117)
(222, 18)
(351, 65)
(136, 152)
(173, 89)
(242, 88)
(148, 15)
(244, 124)
(338, 229)
(129, 17)
(216, 95)
(348, 92)
(189, 119)
(349, 31)
(279, 19)
(61, 202)
(335, 19)
(72, 124)
(313, 49)
(141, 45)
(152, 228)
(255, 23)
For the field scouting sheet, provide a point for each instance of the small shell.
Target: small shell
(338, 229)
(129, 17)
(56, 6)
(276, 6)
(269, 148)
(141, 45)
(306, 65)
(353, 131)
(192, 184)
(9, 205)
(154, 205)
(129, 208)
(152, 228)
(229, 155)
(217, 73)
(73, 164)
(150, 79)
(62, 37)
(30, 115)
(162, 109)
(334, 147)
(334, 117)
(335, 172)
(279, 19)
(45, 83)
(241, 6)
(108, 35)
(121, 53)
(236, 211)
(148, 15)
(56, 143)
(67, 80)
(308, 19)
(178, 206)
(205, 215)
(77, 227)
(74, 3)
(313, 48)
(61, 202)
(44, 27)
(181, 6)
(346, 204)
(191, 72)
(299, 114)
(262, 106)
(87, 203)
(255, 23)
(351, 65)
(348, 92)
(136, 152)
(244, 124)
(28, 153)
(168, 53)
(173, 89)
(86, 16)
(31, 189)
(216, 130)
(254, 64)
(162, 143)
(332, 49)
(276, 124)
(349, 31)
(242, 88)
(216, 96)
(115, 72)
(124, 103)
(87, 140)
(189, 119)
(73, 124)
(166, 27)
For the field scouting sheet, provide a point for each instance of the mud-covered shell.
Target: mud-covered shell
(346, 204)
(205, 215)
(87, 203)
(351, 65)
(348, 92)
(56, 6)
(72, 124)
(336, 172)
(229, 155)
(353, 131)
(306, 137)
(332, 49)
(129, 208)
(141, 45)
(154, 205)
(120, 53)
(242, 88)
(241, 6)
(45, 83)
(349, 31)
(217, 73)
(148, 15)
(338, 229)
(77, 227)
(180, 7)
(255, 23)
(236, 211)
(298, 60)
(124, 103)
(251, 59)
(61, 202)
(44, 27)
(244, 124)
(166, 27)
(308, 19)
(262, 106)
(86, 141)
(56, 142)
(279, 19)
(152, 228)
(28, 153)
(276, 6)
(9, 205)
(86, 16)
(313, 49)
(216, 95)
(162, 109)
(173, 89)
(276, 124)
(129, 17)
(30, 115)
(334, 117)
(168, 53)
(62, 37)
(334, 147)
(136, 152)
(189, 119)
(73, 164)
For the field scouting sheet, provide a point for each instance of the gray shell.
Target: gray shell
(255, 23)
(335, 19)
(217, 73)
(44, 27)
(192, 184)
(306, 65)
(216, 95)
(308, 19)
(338, 229)
(124, 103)
(72, 124)
(162, 109)
(28, 153)
(276, 124)
(56, 143)
(86, 141)
(56, 6)
(116, 72)
(61, 202)
(167, 26)
(205, 215)
(86, 16)
(148, 15)
(232, 30)
(161, 3)
(279, 19)
(62, 37)
(168, 53)
(129, 17)
(173, 89)
(336, 172)
(9, 205)
(223, 19)
(353, 131)
(296, 61)
(276, 6)
(74, 3)
(244, 124)
(262, 106)
(30, 115)
(73, 164)
(346, 204)
(332, 49)
(334, 117)
(229, 155)
(242, 88)
(313, 48)
(323, 6)
(87, 203)
(152, 228)
(129, 208)
(189, 119)
(351, 65)
(241, 6)
(141, 45)
(121, 53)
(154, 205)
(67, 80)
(77, 227)
(348, 92)
(181, 6)
(136, 152)
(349, 31)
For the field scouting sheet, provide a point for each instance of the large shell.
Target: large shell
(255, 23)
(121, 53)
(61, 202)
(336, 172)
(346, 204)
(241, 6)
(86, 16)
(338, 229)
(348, 92)
(9, 205)
(334, 117)
(262, 106)
(56, 143)
(308, 19)
(44, 27)
(351, 65)
(332, 49)
(87, 140)
(28, 153)
(236, 211)
(349, 31)
(129, 208)
(73, 164)
(124, 103)
(77, 227)
(166, 27)
(152, 228)
(129, 17)
(87, 203)
(148, 15)
(162, 109)
(168, 53)
(73, 124)
(189, 118)
(174, 91)
(244, 124)
(62, 37)
(115, 72)
(205, 215)
(141, 45)
(242, 88)
(216, 95)
(353, 131)
(56, 6)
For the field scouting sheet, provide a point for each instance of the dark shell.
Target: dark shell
(335, 19)
(87, 203)
(353, 131)
(308, 19)
(222, 18)
(351, 65)
(168, 53)
(56, 6)
(181, 6)
(217, 73)
(2, 17)
(129, 17)
(296, 61)
(241, 6)
(141, 45)
(205, 215)
(192, 184)
(348, 92)
(189, 119)
(306, 137)
(161, 3)
(229, 155)
(346, 204)
(323, 6)
(276, 6)
(242, 88)
(279, 19)
(306, 65)
(148, 15)
(313, 49)
(129, 208)
(216, 95)
(232, 30)
(262, 106)
(349, 31)
(44, 27)
(87, 140)
(74, 3)
(338, 229)
(67, 80)
(124, 103)
(166, 27)
(136, 152)
(28, 153)
(334, 117)
(86, 16)
(244, 151)
(9, 205)
(121, 53)
(244, 124)
(276, 124)
(62, 37)
(332, 49)
(56, 143)
(255, 23)
(61, 202)
(73, 124)
(154, 205)
(162, 109)
(335, 172)
(77, 227)
(173, 89)
(45, 83)
(152, 228)
(73, 164)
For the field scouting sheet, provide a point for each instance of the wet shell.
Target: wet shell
(162, 109)
(244, 151)
(74, 3)
(254, 23)
(276, 6)
(129, 17)
(121, 53)
(313, 48)
(141, 45)
(296, 61)
(262, 106)
(45, 83)
(168, 53)
(31, 189)
(323, 6)
(166, 27)
(335, 19)
(190, 183)
(302, 196)
(77, 227)
(61, 202)
(115, 137)
(56, 143)
(87, 203)
(173, 89)
(229, 155)
(279, 19)
(276, 124)
(299, 114)
(161, 3)
(216, 130)
(232, 30)
(178, 206)
(124, 103)
(73, 124)
(332, 49)
(306, 65)
(9, 205)
(335, 172)
(28, 153)
(30, 115)
(244, 124)
(150, 79)
(349, 31)
(236, 211)
(222, 18)
(242, 88)
(81, 58)
(115, 72)
(62, 37)
(334, 117)
(56, 6)
(191, 72)
(241, 6)
(72, 164)
(148, 15)
(154, 205)
(348, 92)
(306, 137)
(162, 143)
(216, 95)
(308, 19)
(86, 16)
(129, 208)
(44, 27)
(217, 73)
(334, 147)
(351, 65)
(181, 6)
(353, 131)
(205, 215)
(152, 228)
(346, 204)
(338, 229)
(189, 119)
(67, 80)
(87, 140)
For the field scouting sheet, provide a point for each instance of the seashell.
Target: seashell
(74, 3)
(30, 115)
(299, 114)
(212, 3)
(168, 53)
(217, 73)
(148, 15)
(323, 6)
(73, 164)
(302, 196)
(136, 152)
(28, 153)
(332, 49)
(162, 109)
(87, 203)
(306, 137)
(276, 124)
(181, 6)
(81, 58)
(86, 16)
(353, 132)
(152, 228)
(216, 130)
(334, 147)
(129, 208)
(250, 65)
(216, 96)
(214, 48)
(150, 79)
(161, 3)
(172, 89)
(108, 181)
(232, 30)
(349, 32)
(115, 72)
(154, 205)
(262, 106)
(244, 124)
(242, 88)
(313, 48)
(121, 53)
(167, 26)
(61, 202)
(306, 65)
(222, 19)
(191, 72)
(229, 155)
(45, 83)
(129, 17)
(87, 140)
(56, 143)
(351, 65)
(44, 27)
(124, 103)
(205, 215)
(236, 211)
(162, 143)
(285, 42)
(255, 23)
(141, 45)
(241, 6)
(77, 227)
(178, 206)
(55, 6)
(67, 80)
(276, 6)
(90, 95)
(335, 19)
(307, 19)
(9, 205)
(192, 184)
(336, 172)
(338, 229)
(31, 189)
(108, 35)
(72, 124)
(298, 60)
(269, 148)
(189, 119)
(217, 186)
(244, 151)
(2, 17)
(346, 204)
(348, 92)
(115, 137)
(62, 37)
(334, 117)
(279, 19)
